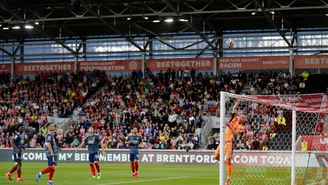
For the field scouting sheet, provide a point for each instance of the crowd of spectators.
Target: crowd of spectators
(274, 83)
(28, 102)
(265, 122)
(166, 107)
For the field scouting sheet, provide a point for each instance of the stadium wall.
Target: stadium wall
(201, 157)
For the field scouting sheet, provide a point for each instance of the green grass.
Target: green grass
(73, 173)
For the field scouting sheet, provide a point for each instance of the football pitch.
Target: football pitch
(78, 173)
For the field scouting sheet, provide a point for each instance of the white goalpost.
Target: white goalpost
(284, 140)
(222, 128)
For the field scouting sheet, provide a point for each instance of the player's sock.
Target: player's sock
(51, 175)
(47, 170)
(229, 170)
(13, 169)
(227, 181)
(97, 167)
(19, 173)
(93, 171)
(136, 166)
(132, 167)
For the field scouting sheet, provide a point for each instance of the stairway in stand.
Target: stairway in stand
(245, 89)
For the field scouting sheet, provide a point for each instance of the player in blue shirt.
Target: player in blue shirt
(134, 142)
(17, 142)
(93, 141)
(51, 153)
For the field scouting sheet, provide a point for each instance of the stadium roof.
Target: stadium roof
(81, 18)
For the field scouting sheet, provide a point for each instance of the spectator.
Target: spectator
(120, 145)
(59, 138)
(33, 141)
(209, 145)
(75, 142)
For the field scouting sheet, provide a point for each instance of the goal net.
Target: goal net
(285, 139)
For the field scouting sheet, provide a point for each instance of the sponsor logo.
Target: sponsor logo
(133, 65)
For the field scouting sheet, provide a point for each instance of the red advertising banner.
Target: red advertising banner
(316, 143)
(111, 65)
(5, 68)
(35, 68)
(180, 63)
(311, 61)
(261, 62)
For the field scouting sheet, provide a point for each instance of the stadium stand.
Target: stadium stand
(167, 112)
(29, 102)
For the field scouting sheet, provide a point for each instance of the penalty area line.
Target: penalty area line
(149, 180)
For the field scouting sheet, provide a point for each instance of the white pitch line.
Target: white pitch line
(316, 183)
(150, 180)
(185, 169)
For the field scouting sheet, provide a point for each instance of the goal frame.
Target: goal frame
(222, 141)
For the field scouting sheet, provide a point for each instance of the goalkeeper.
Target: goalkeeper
(235, 127)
